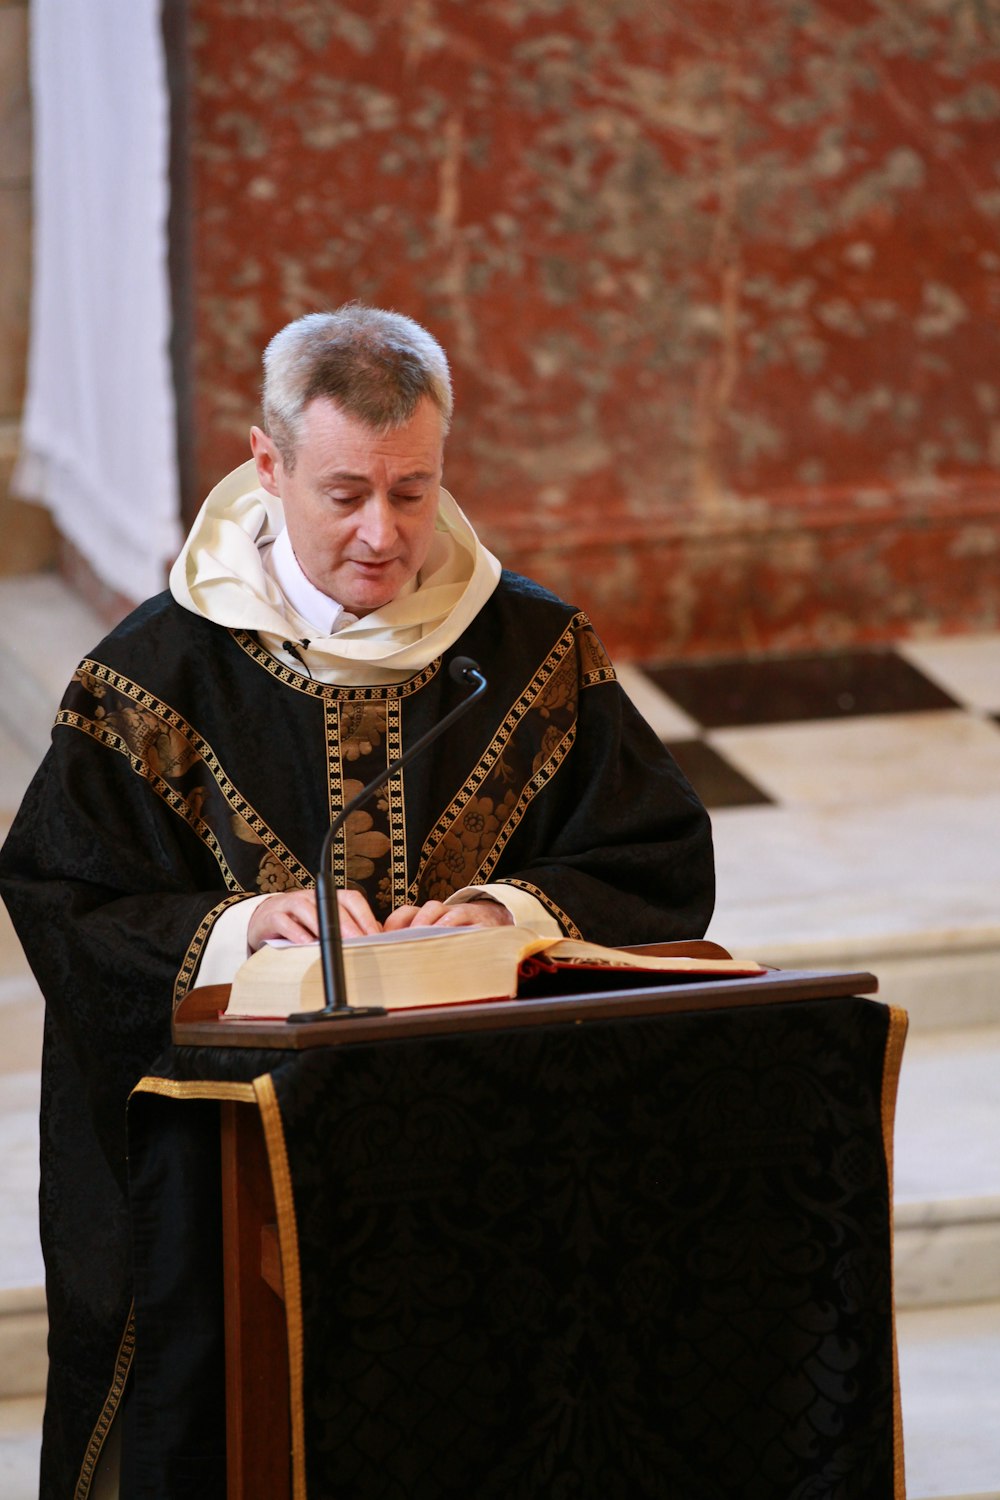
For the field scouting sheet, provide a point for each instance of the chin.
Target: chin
(369, 604)
(366, 598)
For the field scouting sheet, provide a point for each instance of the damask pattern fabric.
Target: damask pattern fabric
(639, 1258)
(190, 768)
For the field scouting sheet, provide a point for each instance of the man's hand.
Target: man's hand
(292, 915)
(462, 914)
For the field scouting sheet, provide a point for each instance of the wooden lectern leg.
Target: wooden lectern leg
(258, 1424)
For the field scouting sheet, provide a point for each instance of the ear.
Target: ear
(268, 460)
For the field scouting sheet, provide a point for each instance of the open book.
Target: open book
(423, 966)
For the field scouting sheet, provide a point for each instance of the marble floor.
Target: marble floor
(20, 1430)
(865, 785)
(949, 1361)
(856, 808)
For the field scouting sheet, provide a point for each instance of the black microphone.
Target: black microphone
(292, 647)
(465, 671)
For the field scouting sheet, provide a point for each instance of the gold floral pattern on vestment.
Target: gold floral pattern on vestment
(366, 845)
(362, 729)
(532, 742)
(272, 876)
(595, 663)
(364, 734)
(369, 852)
(184, 771)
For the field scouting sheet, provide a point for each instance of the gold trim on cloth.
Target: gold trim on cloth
(363, 737)
(313, 689)
(894, 1042)
(261, 1092)
(565, 921)
(190, 962)
(171, 1088)
(335, 786)
(595, 663)
(123, 1364)
(162, 747)
(467, 840)
(288, 1243)
(389, 899)
(114, 741)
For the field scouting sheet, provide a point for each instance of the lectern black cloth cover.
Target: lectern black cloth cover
(641, 1257)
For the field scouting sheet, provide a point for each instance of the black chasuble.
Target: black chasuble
(190, 769)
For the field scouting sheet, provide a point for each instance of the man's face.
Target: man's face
(359, 507)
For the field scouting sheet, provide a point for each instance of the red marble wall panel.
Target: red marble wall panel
(720, 283)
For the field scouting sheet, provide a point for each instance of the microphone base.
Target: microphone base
(336, 1013)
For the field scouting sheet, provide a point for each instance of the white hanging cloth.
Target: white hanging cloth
(98, 437)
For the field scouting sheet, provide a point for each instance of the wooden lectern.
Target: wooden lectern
(632, 1244)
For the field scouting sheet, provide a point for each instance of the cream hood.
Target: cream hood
(220, 575)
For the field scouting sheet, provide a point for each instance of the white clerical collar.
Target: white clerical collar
(221, 574)
(324, 614)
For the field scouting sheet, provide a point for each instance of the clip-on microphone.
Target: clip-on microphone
(463, 670)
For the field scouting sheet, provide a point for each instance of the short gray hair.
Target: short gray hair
(374, 365)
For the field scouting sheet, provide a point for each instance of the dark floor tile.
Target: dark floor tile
(717, 783)
(786, 689)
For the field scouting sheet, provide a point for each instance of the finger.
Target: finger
(463, 915)
(299, 905)
(403, 916)
(301, 902)
(349, 928)
(490, 914)
(475, 914)
(429, 915)
(271, 918)
(281, 924)
(358, 912)
(294, 931)
(302, 908)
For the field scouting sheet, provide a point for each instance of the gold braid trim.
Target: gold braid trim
(123, 1364)
(170, 1088)
(291, 1276)
(491, 776)
(393, 794)
(528, 794)
(114, 741)
(593, 679)
(191, 958)
(95, 678)
(894, 1042)
(565, 921)
(335, 786)
(313, 689)
(595, 663)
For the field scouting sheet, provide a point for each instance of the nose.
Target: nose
(377, 527)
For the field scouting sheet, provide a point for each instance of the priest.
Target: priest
(204, 746)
